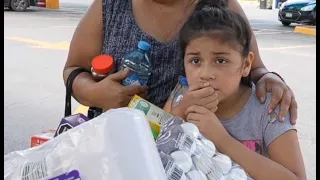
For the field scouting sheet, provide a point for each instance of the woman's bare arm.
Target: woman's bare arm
(86, 43)
(258, 68)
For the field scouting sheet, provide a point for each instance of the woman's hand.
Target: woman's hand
(281, 93)
(201, 94)
(110, 93)
(208, 123)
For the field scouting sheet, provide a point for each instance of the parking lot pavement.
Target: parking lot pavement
(35, 50)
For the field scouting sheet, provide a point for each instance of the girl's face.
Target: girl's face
(208, 60)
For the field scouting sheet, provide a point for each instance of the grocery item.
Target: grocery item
(139, 64)
(41, 138)
(117, 145)
(181, 145)
(190, 129)
(155, 115)
(102, 66)
(183, 160)
(181, 89)
(70, 122)
(196, 175)
(223, 161)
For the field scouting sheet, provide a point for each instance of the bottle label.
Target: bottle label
(143, 106)
(185, 143)
(173, 172)
(133, 79)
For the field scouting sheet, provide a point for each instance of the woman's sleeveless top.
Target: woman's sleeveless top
(122, 34)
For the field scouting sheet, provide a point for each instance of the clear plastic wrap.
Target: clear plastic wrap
(187, 155)
(117, 145)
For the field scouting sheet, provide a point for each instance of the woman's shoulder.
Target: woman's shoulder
(114, 6)
(115, 2)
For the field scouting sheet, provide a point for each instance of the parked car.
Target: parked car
(298, 11)
(19, 5)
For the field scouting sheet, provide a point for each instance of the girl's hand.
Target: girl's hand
(281, 93)
(201, 94)
(208, 124)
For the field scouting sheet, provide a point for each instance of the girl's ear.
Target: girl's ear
(247, 64)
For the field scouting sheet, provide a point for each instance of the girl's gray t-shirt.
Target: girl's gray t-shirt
(122, 34)
(255, 127)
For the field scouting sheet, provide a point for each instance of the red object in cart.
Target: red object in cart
(43, 137)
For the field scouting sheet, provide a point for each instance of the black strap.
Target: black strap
(72, 76)
(278, 76)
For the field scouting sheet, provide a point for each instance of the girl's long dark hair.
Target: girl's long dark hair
(212, 18)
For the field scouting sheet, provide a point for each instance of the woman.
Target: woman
(115, 26)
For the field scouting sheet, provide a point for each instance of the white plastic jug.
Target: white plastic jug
(117, 145)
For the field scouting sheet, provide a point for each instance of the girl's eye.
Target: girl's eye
(195, 60)
(221, 61)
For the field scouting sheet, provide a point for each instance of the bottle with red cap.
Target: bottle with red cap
(102, 66)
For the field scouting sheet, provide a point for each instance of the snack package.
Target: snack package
(187, 155)
(70, 122)
(155, 115)
(117, 145)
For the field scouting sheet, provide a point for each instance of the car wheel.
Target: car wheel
(19, 5)
(286, 23)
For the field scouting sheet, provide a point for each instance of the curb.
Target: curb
(308, 30)
(248, 2)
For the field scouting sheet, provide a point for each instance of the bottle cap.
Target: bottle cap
(183, 160)
(102, 64)
(190, 129)
(196, 175)
(144, 45)
(223, 161)
(184, 81)
(237, 174)
(209, 148)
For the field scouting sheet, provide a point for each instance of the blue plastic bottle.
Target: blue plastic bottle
(139, 64)
(179, 95)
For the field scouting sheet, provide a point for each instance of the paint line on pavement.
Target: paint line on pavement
(270, 33)
(64, 45)
(287, 47)
(66, 26)
(297, 54)
(81, 109)
(24, 18)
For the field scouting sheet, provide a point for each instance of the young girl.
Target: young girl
(221, 98)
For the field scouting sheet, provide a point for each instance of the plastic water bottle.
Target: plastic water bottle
(139, 64)
(179, 95)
